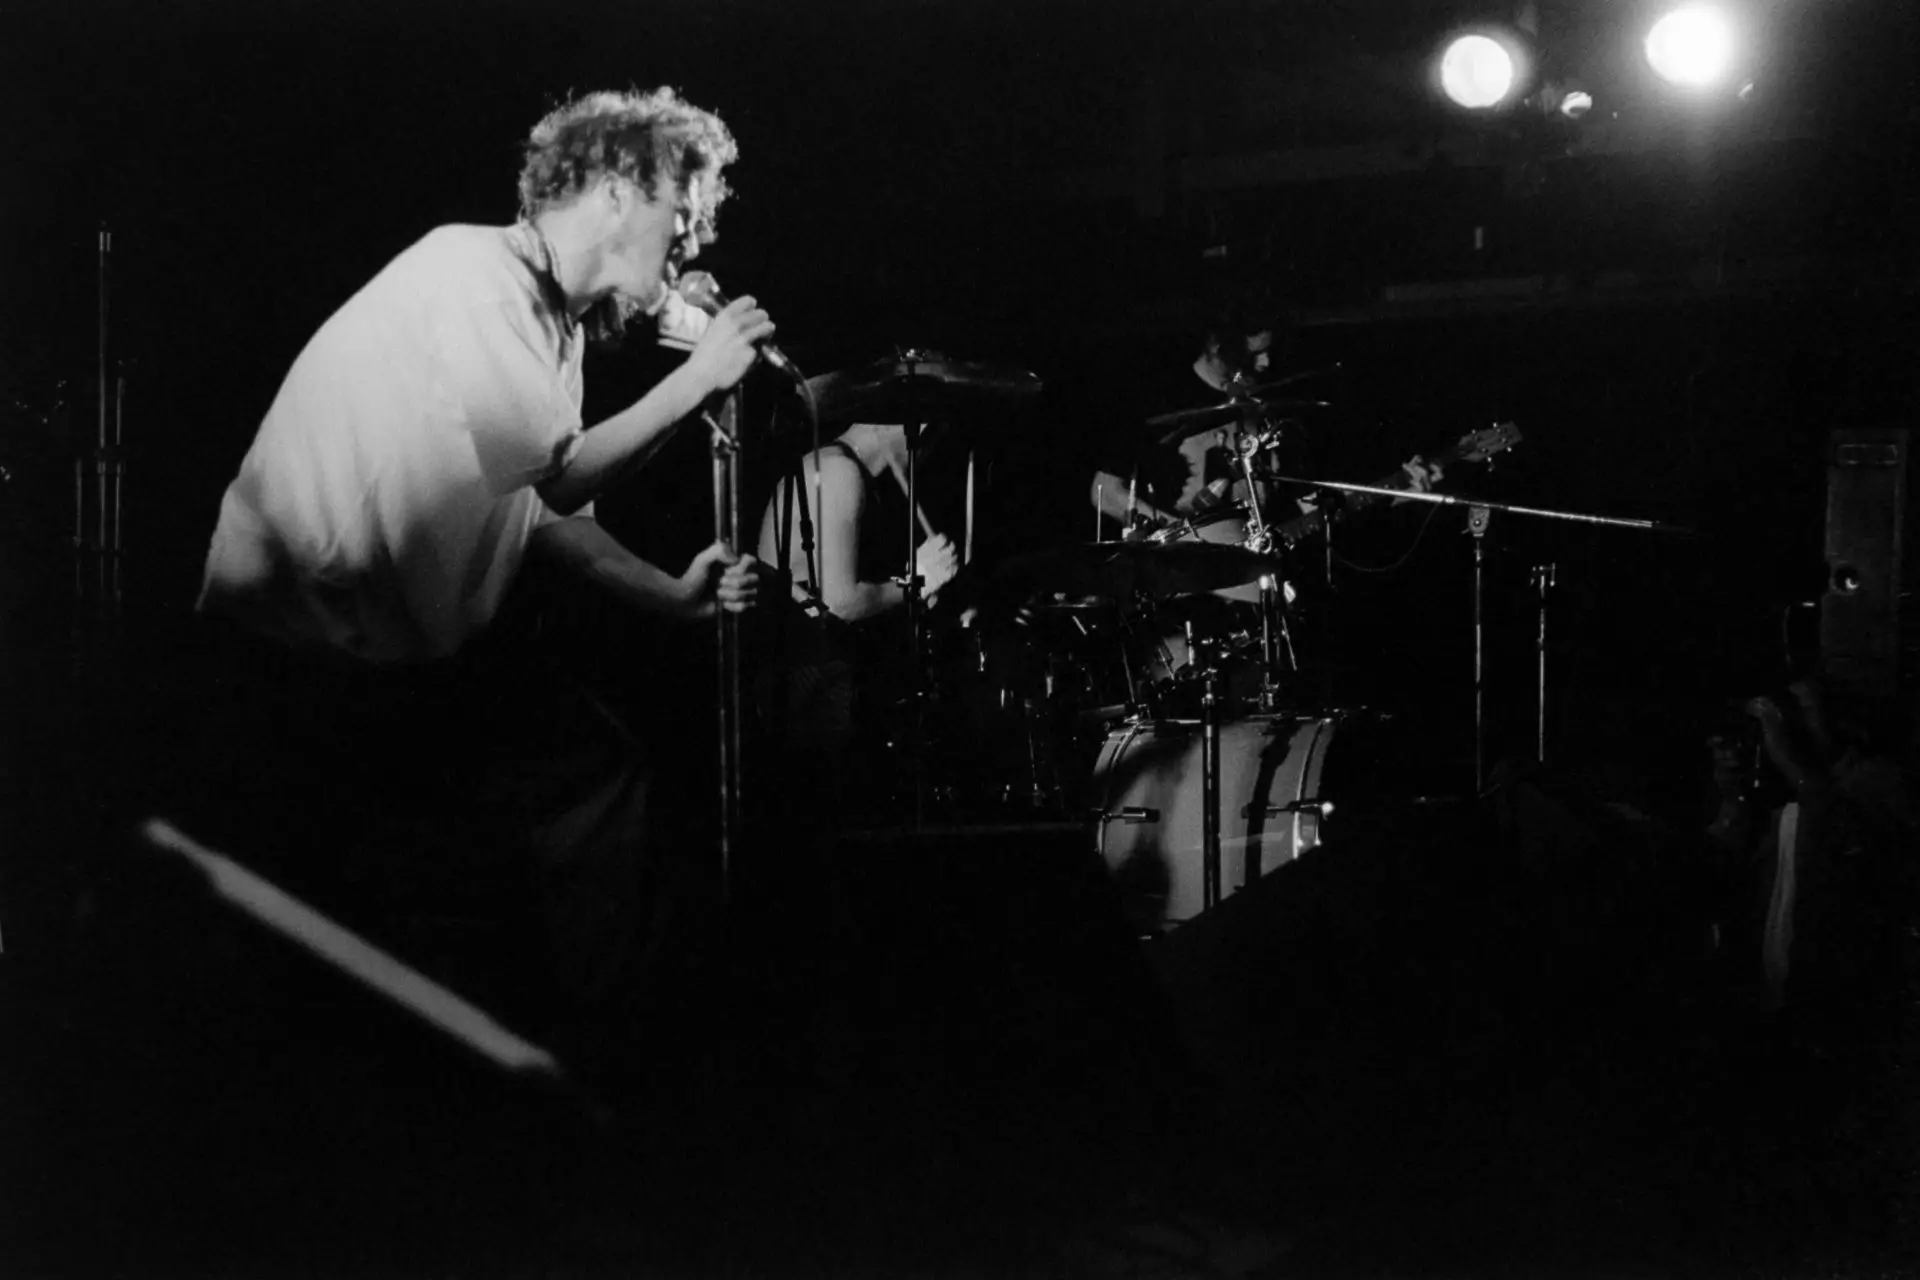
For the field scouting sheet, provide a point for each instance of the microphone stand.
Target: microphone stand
(104, 548)
(724, 424)
(1478, 515)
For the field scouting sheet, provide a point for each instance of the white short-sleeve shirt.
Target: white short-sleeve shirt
(386, 502)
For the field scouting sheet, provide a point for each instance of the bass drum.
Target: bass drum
(1273, 777)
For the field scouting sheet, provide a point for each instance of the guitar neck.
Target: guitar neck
(1313, 522)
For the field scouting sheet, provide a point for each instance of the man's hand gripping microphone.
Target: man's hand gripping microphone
(699, 289)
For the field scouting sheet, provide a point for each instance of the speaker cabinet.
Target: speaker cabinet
(1861, 607)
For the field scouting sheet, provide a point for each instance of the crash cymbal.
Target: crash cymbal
(918, 386)
(1119, 569)
(1181, 423)
(1260, 391)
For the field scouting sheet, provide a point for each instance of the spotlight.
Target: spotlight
(1693, 46)
(1575, 104)
(1485, 68)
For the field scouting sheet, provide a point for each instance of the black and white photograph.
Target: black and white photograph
(1030, 639)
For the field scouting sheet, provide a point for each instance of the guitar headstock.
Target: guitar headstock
(1478, 446)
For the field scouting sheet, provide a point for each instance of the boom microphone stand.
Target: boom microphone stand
(1477, 521)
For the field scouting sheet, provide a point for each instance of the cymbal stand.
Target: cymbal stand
(1274, 636)
(1273, 623)
(106, 546)
(912, 585)
(1543, 576)
(1477, 520)
(1210, 789)
(1258, 539)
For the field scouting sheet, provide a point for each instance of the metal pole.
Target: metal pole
(1477, 520)
(104, 405)
(916, 760)
(1543, 576)
(118, 474)
(1209, 790)
(726, 526)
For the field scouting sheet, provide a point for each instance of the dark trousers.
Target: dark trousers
(484, 816)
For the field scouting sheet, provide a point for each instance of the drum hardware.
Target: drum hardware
(1189, 528)
(1542, 577)
(1323, 808)
(1479, 518)
(1210, 791)
(1119, 570)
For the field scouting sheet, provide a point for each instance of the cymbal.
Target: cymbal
(918, 386)
(1181, 423)
(1262, 390)
(1119, 569)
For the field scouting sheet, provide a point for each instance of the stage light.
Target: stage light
(1575, 104)
(1478, 70)
(1692, 46)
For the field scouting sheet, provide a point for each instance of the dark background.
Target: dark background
(1675, 299)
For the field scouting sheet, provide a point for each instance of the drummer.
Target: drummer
(1186, 468)
(833, 527)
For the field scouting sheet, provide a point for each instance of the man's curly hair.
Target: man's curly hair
(640, 136)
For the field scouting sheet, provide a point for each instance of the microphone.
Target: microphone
(700, 289)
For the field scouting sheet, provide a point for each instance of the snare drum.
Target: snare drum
(1273, 784)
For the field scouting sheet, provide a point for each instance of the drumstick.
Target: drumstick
(900, 478)
(966, 550)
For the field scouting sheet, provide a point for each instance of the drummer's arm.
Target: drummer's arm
(1109, 496)
(843, 499)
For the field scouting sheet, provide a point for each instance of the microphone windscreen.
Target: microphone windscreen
(681, 322)
(702, 290)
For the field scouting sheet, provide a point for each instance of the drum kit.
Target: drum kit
(1143, 644)
(1146, 686)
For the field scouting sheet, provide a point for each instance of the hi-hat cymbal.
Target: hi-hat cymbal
(1120, 569)
(918, 386)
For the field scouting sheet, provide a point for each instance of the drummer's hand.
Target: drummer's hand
(936, 562)
(1146, 522)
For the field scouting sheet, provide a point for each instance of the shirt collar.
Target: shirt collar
(546, 269)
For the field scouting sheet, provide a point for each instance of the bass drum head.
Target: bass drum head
(1277, 775)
